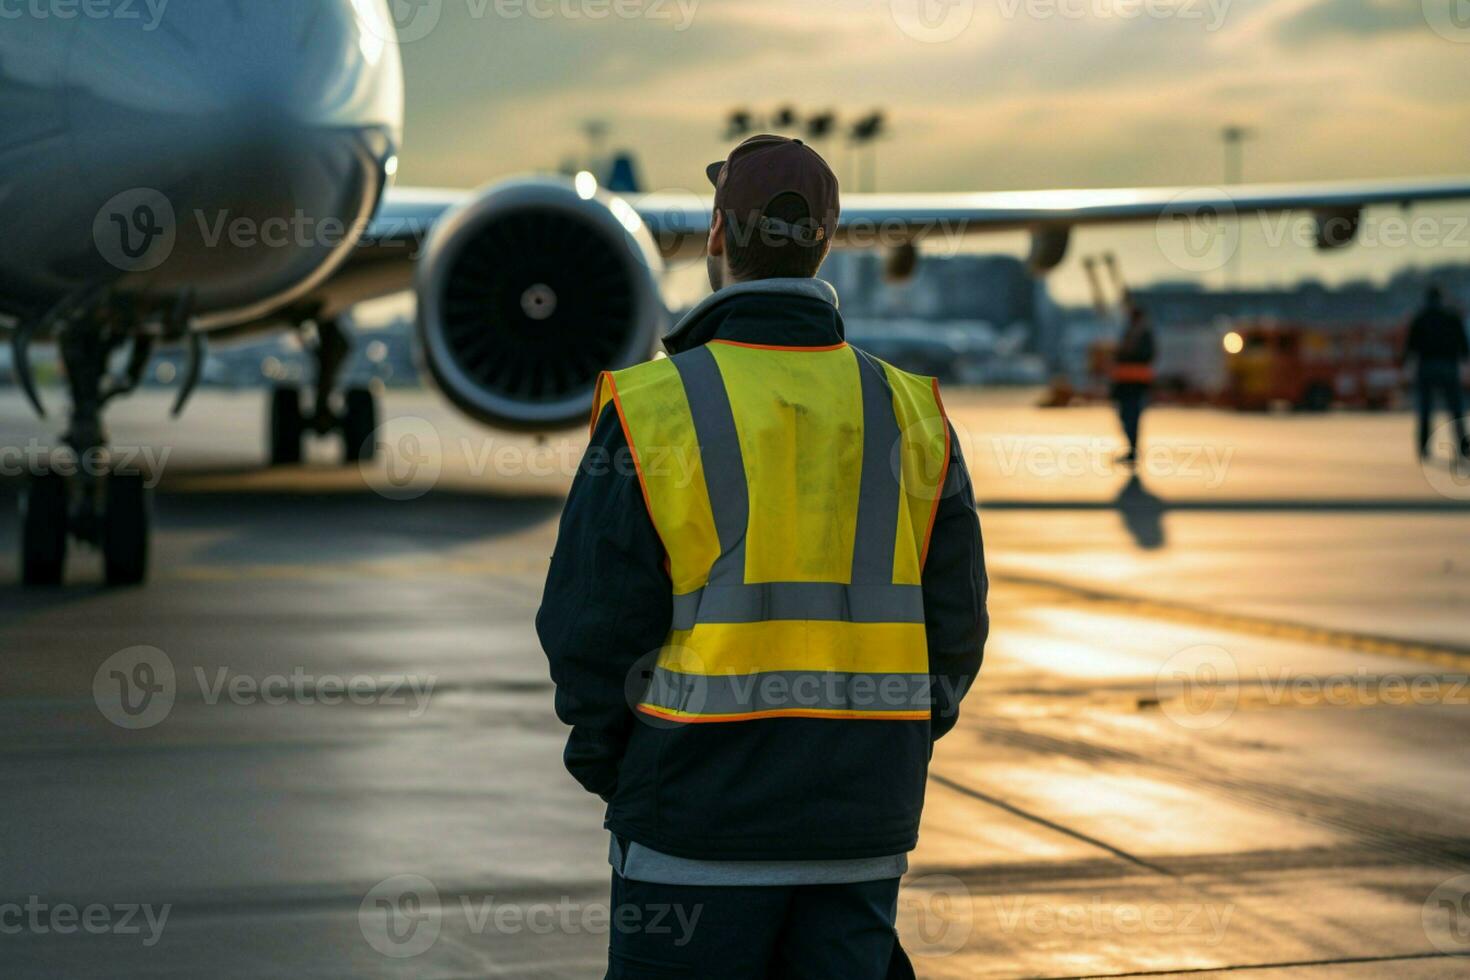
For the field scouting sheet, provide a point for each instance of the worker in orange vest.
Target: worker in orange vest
(1133, 375)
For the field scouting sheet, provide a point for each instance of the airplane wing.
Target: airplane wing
(680, 221)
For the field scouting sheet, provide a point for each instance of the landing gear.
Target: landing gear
(359, 422)
(124, 530)
(43, 510)
(81, 494)
(356, 421)
(286, 427)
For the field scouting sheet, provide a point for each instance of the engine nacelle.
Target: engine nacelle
(530, 290)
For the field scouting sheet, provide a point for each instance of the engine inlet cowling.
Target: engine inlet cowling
(527, 293)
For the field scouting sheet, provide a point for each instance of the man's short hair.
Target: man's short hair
(787, 246)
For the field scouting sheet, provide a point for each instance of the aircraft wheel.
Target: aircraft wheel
(125, 526)
(44, 504)
(359, 422)
(286, 428)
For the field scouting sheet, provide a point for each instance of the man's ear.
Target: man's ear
(716, 243)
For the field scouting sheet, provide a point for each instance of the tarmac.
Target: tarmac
(1223, 725)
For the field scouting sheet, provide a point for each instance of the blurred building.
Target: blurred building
(1309, 301)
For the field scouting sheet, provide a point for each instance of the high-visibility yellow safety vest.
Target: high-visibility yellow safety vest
(794, 490)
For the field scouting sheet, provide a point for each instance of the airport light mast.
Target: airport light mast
(1234, 137)
(864, 134)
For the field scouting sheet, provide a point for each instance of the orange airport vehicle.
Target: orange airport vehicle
(1265, 362)
(1311, 367)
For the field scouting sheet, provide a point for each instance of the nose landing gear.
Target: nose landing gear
(83, 492)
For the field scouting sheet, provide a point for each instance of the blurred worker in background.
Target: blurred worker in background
(759, 630)
(1438, 345)
(1133, 374)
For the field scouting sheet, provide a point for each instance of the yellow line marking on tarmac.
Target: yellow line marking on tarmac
(1440, 654)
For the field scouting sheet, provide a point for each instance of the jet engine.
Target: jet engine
(527, 292)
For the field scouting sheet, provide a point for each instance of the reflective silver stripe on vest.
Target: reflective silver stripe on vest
(878, 496)
(813, 601)
(719, 454)
(727, 598)
(786, 690)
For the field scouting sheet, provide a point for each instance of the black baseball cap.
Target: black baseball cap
(765, 167)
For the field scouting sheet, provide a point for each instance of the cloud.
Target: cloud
(1013, 102)
(1357, 19)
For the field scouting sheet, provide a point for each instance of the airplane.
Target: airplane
(228, 170)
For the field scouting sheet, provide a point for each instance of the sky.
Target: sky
(980, 94)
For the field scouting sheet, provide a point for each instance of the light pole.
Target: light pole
(865, 132)
(1234, 138)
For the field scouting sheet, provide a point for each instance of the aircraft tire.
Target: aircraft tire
(125, 530)
(44, 507)
(359, 422)
(286, 428)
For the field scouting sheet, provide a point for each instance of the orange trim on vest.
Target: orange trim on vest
(943, 479)
(737, 343)
(1133, 373)
(633, 451)
(787, 713)
(596, 404)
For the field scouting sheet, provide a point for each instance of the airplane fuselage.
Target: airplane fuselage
(235, 148)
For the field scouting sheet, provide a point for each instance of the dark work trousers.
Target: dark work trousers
(1131, 399)
(1440, 380)
(722, 932)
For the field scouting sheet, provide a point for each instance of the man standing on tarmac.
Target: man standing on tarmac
(1438, 344)
(1133, 375)
(767, 599)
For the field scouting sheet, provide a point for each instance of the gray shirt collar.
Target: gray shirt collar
(809, 288)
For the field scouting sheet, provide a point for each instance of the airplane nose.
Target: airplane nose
(243, 114)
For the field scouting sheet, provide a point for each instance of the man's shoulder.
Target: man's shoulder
(898, 378)
(659, 370)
